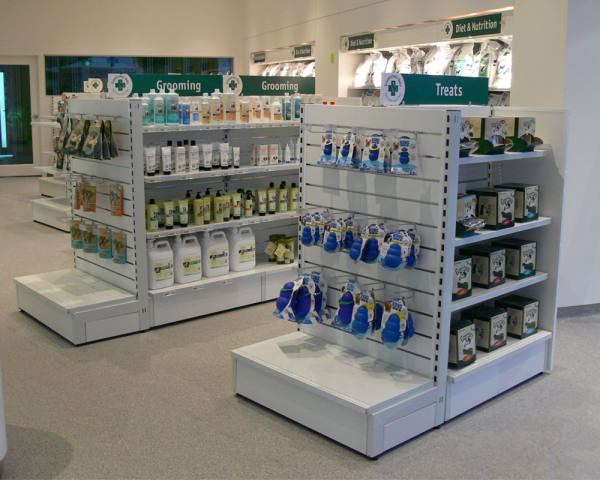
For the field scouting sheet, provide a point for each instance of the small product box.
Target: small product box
(469, 128)
(521, 133)
(495, 206)
(488, 265)
(273, 154)
(264, 156)
(490, 136)
(522, 315)
(461, 286)
(526, 201)
(520, 257)
(462, 343)
(466, 207)
(490, 326)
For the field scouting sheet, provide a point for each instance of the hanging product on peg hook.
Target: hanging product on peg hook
(313, 227)
(397, 324)
(366, 248)
(300, 301)
(328, 148)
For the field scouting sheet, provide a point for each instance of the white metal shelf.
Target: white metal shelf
(473, 159)
(242, 222)
(262, 268)
(52, 171)
(247, 170)
(480, 295)
(217, 126)
(486, 360)
(484, 234)
(49, 211)
(46, 124)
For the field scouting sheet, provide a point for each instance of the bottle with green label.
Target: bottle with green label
(207, 206)
(198, 214)
(248, 204)
(152, 216)
(282, 198)
(261, 199)
(272, 198)
(169, 215)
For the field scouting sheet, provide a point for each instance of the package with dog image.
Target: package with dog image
(526, 200)
(462, 343)
(521, 132)
(520, 257)
(490, 326)
(488, 265)
(522, 315)
(495, 206)
(462, 286)
(492, 136)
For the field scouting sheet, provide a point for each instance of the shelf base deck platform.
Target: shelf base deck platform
(366, 404)
(496, 372)
(77, 305)
(47, 210)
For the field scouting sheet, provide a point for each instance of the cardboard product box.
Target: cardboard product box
(520, 257)
(495, 206)
(466, 207)
(522, 315)
(490, 326)
(462, 343)
(489, 264)
(526, 200)
(461, 286)
(520, 131)
(469, 128)
(490, 135)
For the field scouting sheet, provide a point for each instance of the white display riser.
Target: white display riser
(352, 398)
(496, 372)
(48, 210)
(216, 294)
(54, 187)
(78, 306)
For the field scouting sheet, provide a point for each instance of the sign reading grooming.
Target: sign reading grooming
(397, 89)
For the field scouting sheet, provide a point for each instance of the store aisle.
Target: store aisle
(160, 404)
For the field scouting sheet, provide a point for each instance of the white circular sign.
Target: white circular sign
(392, 89)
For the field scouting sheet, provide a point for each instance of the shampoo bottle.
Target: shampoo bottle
(235, 157)
(186, 145)
(257, 109)
(248, 204)
(282, 199)
(236, 201)
(287, 108)
(245, 110)
(207, 156)
(190, 201)
(207, 206)
(194, 157)
(169, 215)
(261, 193)
(266, 105)
(195, 112)
(297, 154)
(185, 111)
(226, 206)
(272, 198)
(224, 155)
(172, 102)
(206, 114)
(297, 106)
(150, 158)
(180, 157)
(152, 216)
(287, 155)
(276, 108)
(159, 109)
(229, 99)
(215, 107)
(145, 110)
(184, 217)
(198, 210)
(218, 207)
(294, 197)
(167, 158)
(151, 97)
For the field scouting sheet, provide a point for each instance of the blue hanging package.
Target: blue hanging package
(346, 151)
(374, 153)
(403, 150)
(335, 233)
(397, 324)
(328, 146)
(343, 316)
(395, 250)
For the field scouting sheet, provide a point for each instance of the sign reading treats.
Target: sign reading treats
(122, 85)
(473, 26)
(408, 89)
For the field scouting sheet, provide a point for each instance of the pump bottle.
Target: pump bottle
(198, 210)
(206, 110)
(145, 110)
(287, 108)
(215, 107)
(218, 207)
(172, 109)
(272, 198)
(159, 108)
(207, 206)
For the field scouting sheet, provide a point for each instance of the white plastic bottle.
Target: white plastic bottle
(276, 109)
(195, 112)
(159, 108)
(187, 259)
(287, 108)
(145, 110)
(215, 254)
(297, 154)
(296, 106)
(172, 107)
(185, 107)
(194, 153)
(242, 248)
(230, 108)
(215, 107)
(287, 155)
(151, 97)
(205, 106)
(180, 157)
(160, 264)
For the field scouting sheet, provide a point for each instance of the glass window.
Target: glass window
(67, 74)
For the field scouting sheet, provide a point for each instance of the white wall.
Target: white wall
(580, 262)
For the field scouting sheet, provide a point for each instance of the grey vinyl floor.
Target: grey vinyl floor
(160, 404)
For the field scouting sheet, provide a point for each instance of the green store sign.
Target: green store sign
(473, 26)
(122, 85)
(397, 89)
(303, 51)
(259, 57)
(358, 42)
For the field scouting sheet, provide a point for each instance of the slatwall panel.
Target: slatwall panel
(417, 201)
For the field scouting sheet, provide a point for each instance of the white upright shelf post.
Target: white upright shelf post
(360, 393)
(3, 445)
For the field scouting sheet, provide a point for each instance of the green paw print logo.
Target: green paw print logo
(447, 29)
(232, 84)
(96, 84)
(120, 85)
(393, 88)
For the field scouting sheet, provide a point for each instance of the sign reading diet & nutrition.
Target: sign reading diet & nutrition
(407, 89)
(302, 51)
(358, 42)
(259, 57)
(122, 85)
(473, 26)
